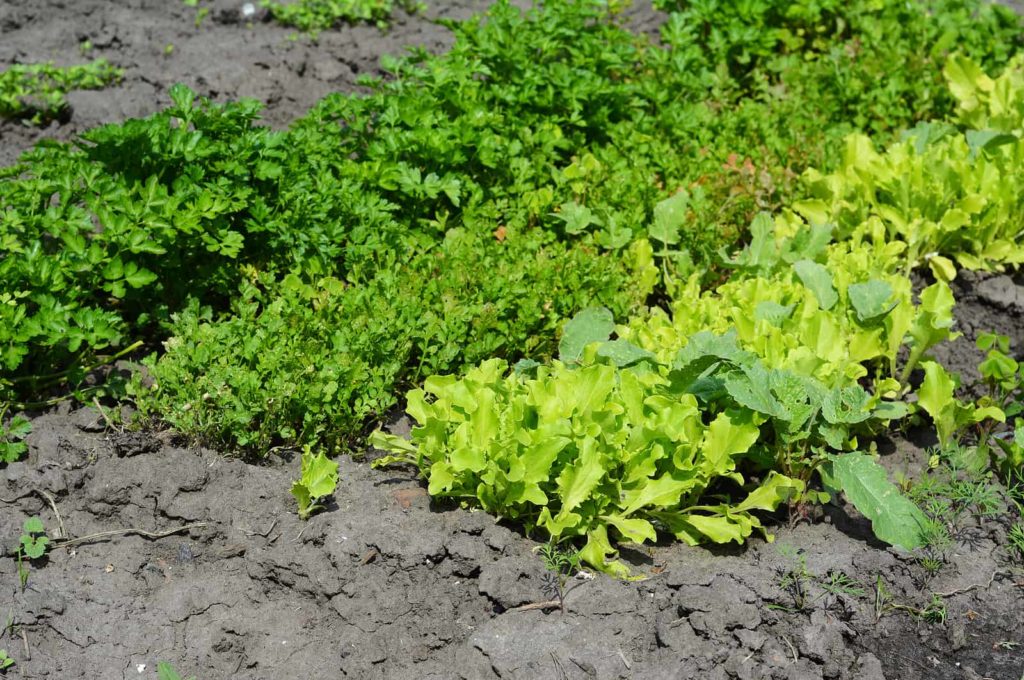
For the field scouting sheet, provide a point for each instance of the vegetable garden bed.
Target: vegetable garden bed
(778, 218)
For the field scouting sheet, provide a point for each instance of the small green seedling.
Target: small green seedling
(33, 538)
(31, 546)
(563, 563)
(165, 671)
(5, 660)
(319, 479)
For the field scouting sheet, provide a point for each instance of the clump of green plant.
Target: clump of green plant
(12, 436)
(957, 489)
(556, 129)
(1015, 536)
(1002, 378)
(562, 564)
(31, 546)
(318, 481)
(313, 16)
(37, 92)
(799, 583)
(934, 612)
(300, 363)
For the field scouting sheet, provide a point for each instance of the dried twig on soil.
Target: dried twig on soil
(24, 639)
(122, 532)
(550, 604)
(263, 534)
(62, 531)
(986, 586)
(49, 499)
(792, 649)
(103, 414)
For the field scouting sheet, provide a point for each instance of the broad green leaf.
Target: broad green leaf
(669, 218)
(894, 518)
(624, 353)
(751, 388)
(138, 277)
(580, 478)
(33, 525)
(720, 528)
(762, 253)
(636, 530)
(707, 345)
(871, 299)
(935, 396)
(595, 324)
(302, 499)
(846, 405)
(597, 551)
(556, 526)
(773, 491)
(19, 428)
(576, 217)
(393, 443)
(986, 140)
(773, 312)
(664, 491)
(819, 281)
(319, 474)
(942, 268)
(729, 434)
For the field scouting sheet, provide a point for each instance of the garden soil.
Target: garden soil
(385, 583)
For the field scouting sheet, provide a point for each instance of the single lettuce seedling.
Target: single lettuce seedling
(319, 479)
(5, 661)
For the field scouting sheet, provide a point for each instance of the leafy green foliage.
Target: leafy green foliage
(946, 195)
(556, 128)
(949, 414)
(170, 192)
(984, 103)
(37, 92)
(5, 660)
(835, 53)
(587, 451)
(313, 16)
(751, 380)
(12, 437)
(1003, 378)
(319, 479)
(313, 362)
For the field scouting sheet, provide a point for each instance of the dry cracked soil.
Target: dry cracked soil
(386, 583)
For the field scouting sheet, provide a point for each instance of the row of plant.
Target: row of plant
(313, 16)
(38, 92)
(467, 164)
(462, 209)
(764, 390)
